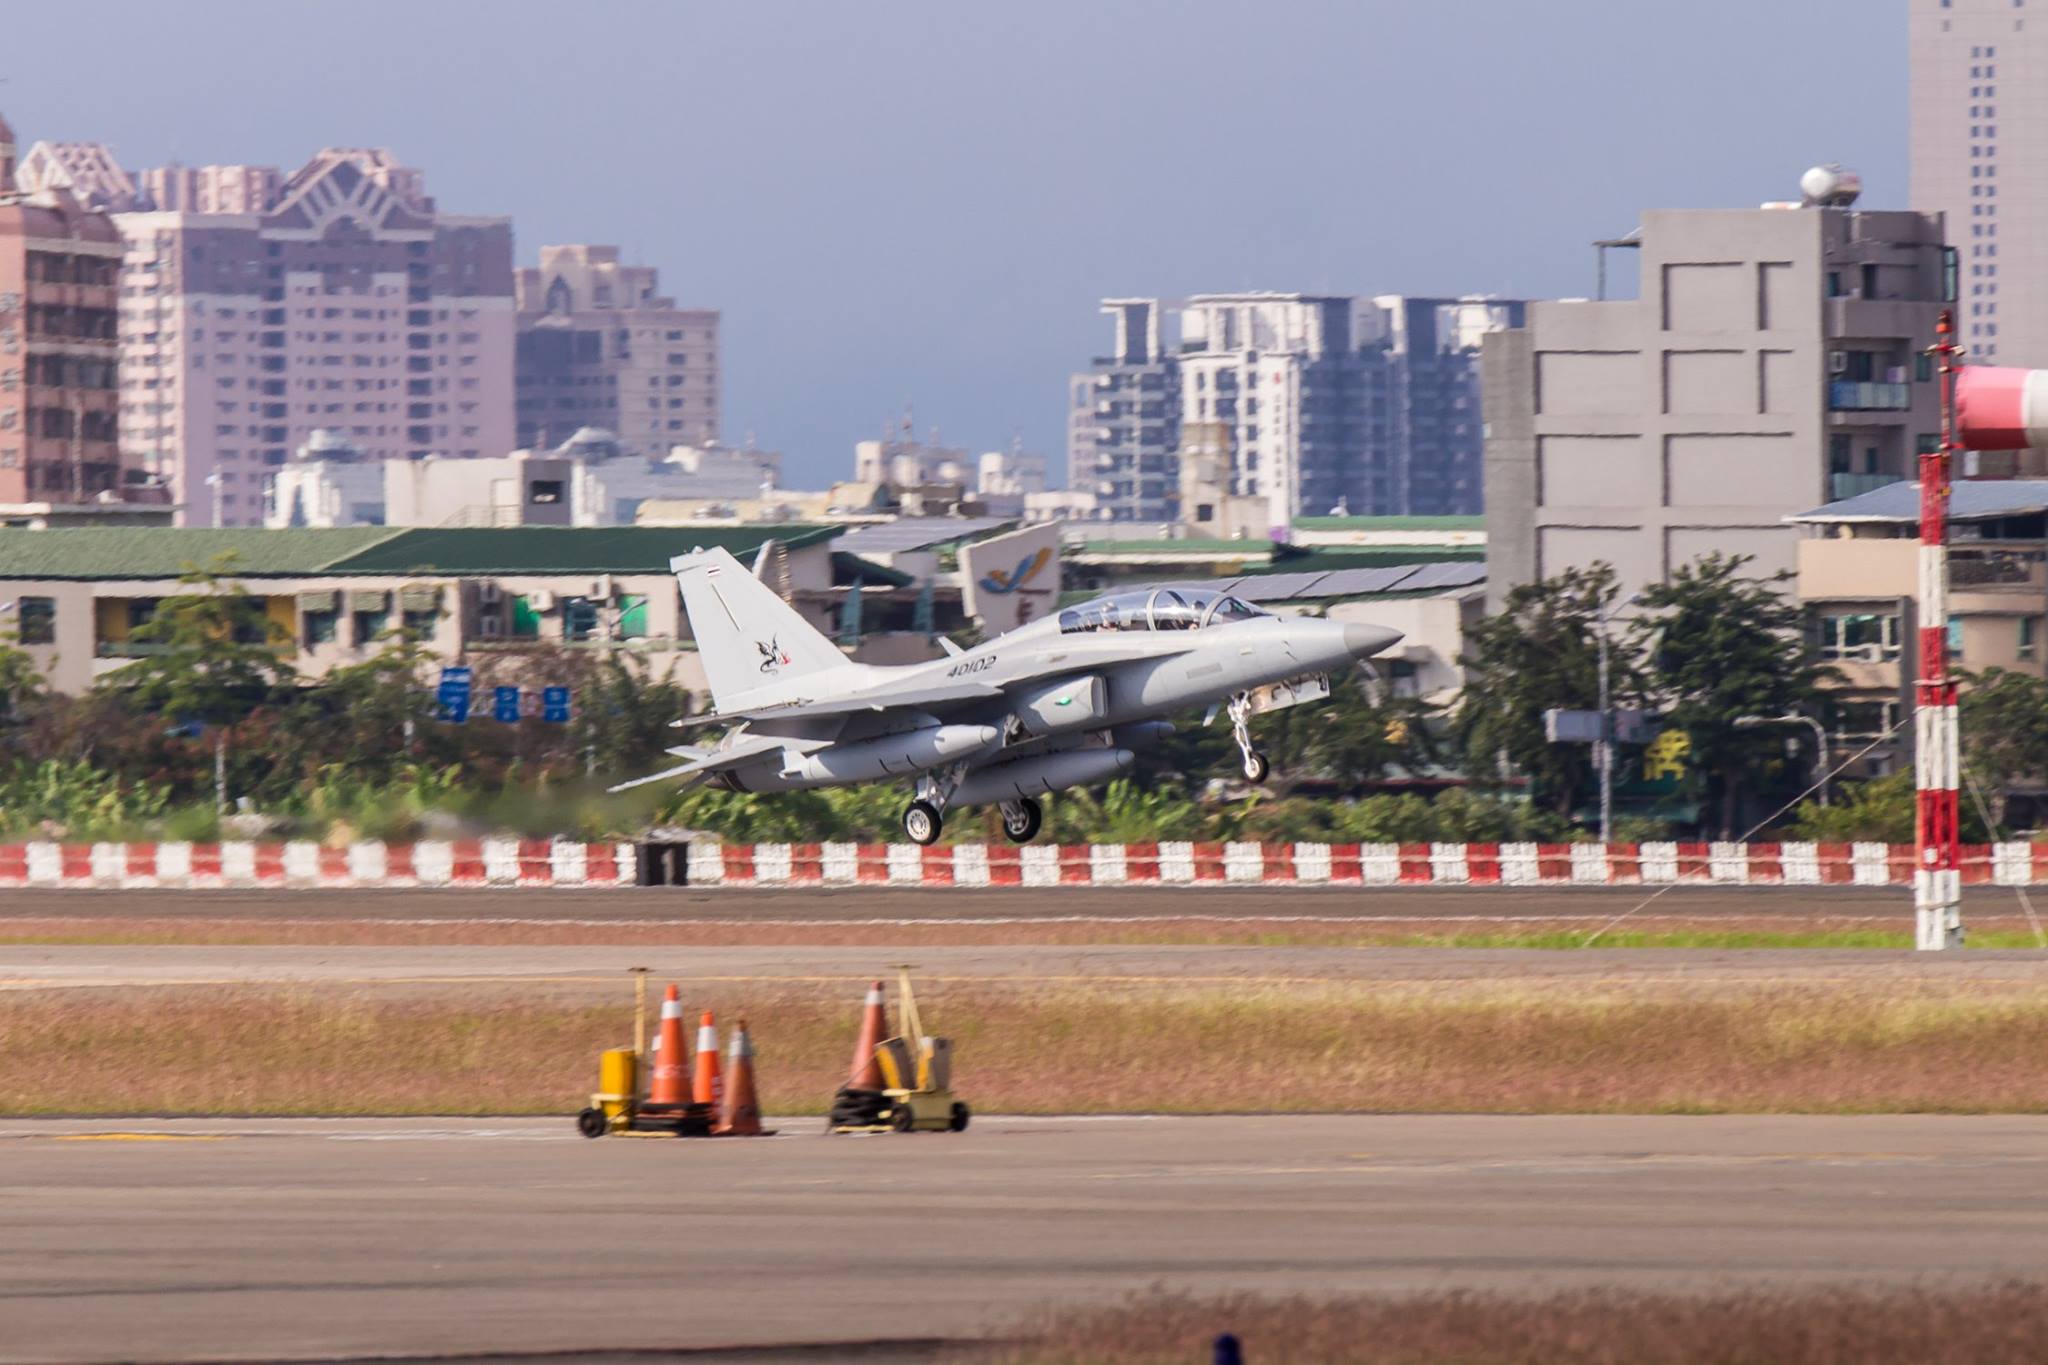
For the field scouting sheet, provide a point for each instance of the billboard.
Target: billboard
(1010, 579)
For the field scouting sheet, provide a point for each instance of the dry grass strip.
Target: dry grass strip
(1443, 1046)
(1965, 1325)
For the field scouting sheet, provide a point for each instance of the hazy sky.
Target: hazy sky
(924, 202)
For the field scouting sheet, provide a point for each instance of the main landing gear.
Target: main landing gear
(1021, 820)
(1256, 767)
(925, 818)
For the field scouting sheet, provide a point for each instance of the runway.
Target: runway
(311, 1239)
(602, 970)
(819, 904)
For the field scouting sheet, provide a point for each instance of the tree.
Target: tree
(21, 682)
(213, 656)
(1540, 651)
(1718, 646)
(2005, 733)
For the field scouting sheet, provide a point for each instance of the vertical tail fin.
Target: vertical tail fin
(748, 637)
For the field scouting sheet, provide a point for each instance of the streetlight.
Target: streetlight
(1603, 747)
(1820, 736)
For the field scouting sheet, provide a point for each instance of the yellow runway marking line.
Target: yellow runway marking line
(140, 1137)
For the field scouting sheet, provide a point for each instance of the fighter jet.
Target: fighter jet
(1064, 701)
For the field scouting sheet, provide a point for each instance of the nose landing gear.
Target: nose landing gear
(1256, 766)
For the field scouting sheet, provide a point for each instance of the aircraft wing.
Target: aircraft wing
(948, 693)
(704, 762)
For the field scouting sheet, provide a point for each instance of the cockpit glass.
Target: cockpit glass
(1232, 609)
(1157, 609)
(1171, 610)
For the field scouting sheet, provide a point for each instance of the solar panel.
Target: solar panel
(1447, 575)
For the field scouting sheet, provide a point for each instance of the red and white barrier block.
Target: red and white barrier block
(1238, 864)
(372, 863)
(541, 862)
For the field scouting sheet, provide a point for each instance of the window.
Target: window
(544, 491)
(38, 620)
(370, 625)
(1955, 637)
(2030, 629)
(321, 627)
(633, 617)
(419, 625)
(1863, 637)
(579, 618)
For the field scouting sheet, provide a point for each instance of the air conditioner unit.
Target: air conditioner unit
(1838, 362)
(490, 594)
(1870, 654)
(601, 588)
(541, 601)
(490, 627)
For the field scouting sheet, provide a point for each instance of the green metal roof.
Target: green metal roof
(1391, 523)
(1323, 557)
(97, 552)
(1225, 549)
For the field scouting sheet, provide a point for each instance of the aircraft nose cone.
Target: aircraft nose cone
(1364, 641)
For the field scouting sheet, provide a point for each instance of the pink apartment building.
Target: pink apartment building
(256, 308)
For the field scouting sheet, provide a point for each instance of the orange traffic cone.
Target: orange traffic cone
(707, 1089)
(669, 1084)
(741, 1116)
(874, 1026)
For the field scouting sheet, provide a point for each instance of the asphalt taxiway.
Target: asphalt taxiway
(331, 1239)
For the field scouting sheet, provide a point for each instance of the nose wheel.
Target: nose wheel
(1021, 820)
(1256, 767)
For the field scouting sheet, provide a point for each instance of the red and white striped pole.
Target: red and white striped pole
(1937, 764)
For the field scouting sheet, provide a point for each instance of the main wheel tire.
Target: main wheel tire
(592, 1123)
(1030, 819)
(961, 1114)
(922, 823)
(904, 1120)
(1256, 768)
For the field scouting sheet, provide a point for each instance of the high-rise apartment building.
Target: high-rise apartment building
(1281, 372)
(1979, 140)
(60, 265)
(1423, 433)
(1123, 421)
(600, 347)
(257, 308)
(1773, 361)
(1328, 403)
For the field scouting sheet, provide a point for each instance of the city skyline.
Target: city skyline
(927, 210)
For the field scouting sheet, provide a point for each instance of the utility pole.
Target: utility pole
(1937, 758)
(1603, 747)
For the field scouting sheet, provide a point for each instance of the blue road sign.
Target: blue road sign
(505, 703)
(453, 693)
(554, 704)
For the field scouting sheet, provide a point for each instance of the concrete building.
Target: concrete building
(256, 309)
(1772, 361)
(1282, 373)
(1332, 405)
(1979, 148)
(1123, 420)
(1858, 583)
(60, 453)
(589, 480)
(1423, 437)
(81, 594)
(599, 346)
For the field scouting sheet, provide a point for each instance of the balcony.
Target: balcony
(1972, 570)
(1850, 395)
